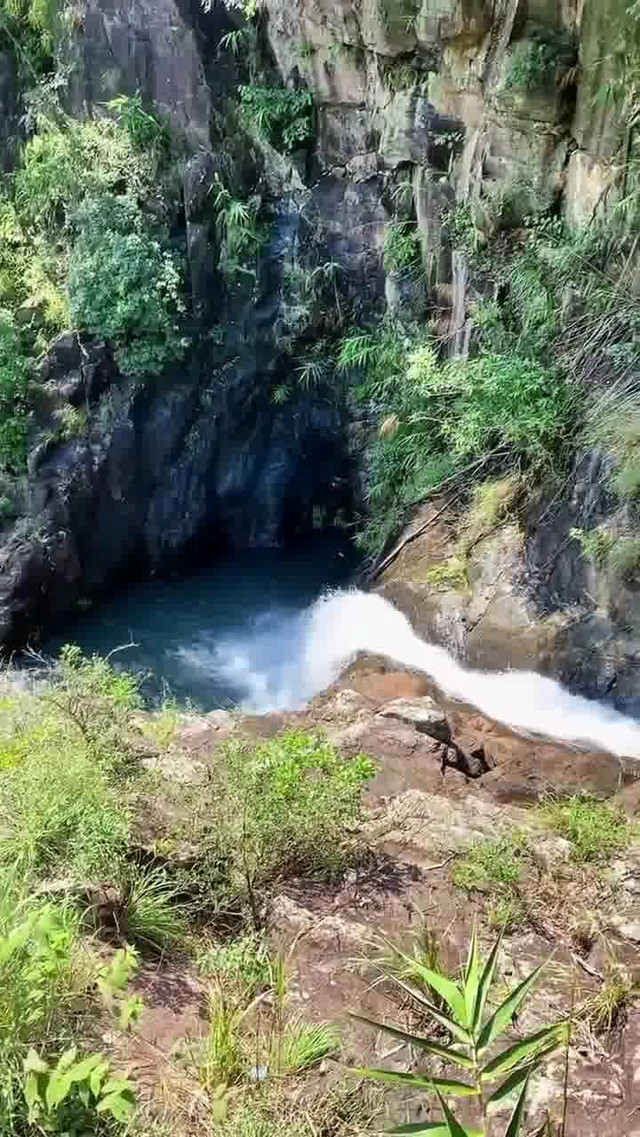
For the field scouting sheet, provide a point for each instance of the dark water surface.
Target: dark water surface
(222, 636)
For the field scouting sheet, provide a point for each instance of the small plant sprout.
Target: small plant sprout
(490, 1078)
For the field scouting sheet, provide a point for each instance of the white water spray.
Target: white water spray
(285, 658)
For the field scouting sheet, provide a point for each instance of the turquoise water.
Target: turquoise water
(222, 636)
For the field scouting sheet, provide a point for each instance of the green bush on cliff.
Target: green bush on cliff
(126, 287)
(284, 117)
(67, 161)
(28, 29)
(15, 367)
(435, 417)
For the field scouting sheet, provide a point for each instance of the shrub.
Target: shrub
(494, 867)
(126, 288)
(595, 830)
(243, 964)
(66, 815)
(624, 559)
(239, 234)
(29, 28)
(63, 164)
(149, 915)
(475, 1030)
(146, 131)
(284, 117)
(444, 414)
(507, 399)
(15, 368)
(533, 65)
(402, 249)
(281, 808)
(44, 987)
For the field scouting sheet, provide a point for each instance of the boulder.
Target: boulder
(424, 714)
(470, 756)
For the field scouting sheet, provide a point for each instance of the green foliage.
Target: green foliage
(239, 235)
(436, 416)
(75, 1093)
(15, 368)
(624, 559)
(242, 964)
(605, 1009)
(492, 503)
(47, 984)
(284, 117)
(66, 162)
(595, 830)
(280, 808)
(151, 916)
(451, 573)
(494, 867)
(29, 27)
(145, 130)
(31, 269)
(66, 816)
(595, 544)
(475, 1030)
(126, 287)
(532, 66)
(304, 1045)
(402, 249)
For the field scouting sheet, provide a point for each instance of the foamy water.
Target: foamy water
(286, 659)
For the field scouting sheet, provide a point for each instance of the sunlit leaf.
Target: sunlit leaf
(513, 1082)
(486, 981)
(520, 1051)
(449, 990)
(505, 1012)
(451, 1024)
(429, 1128)
(447, 1086)
(518, 1113)
(472, 978)
(444, 1052)
(454, 1127)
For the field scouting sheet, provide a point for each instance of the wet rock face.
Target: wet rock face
(156, 473)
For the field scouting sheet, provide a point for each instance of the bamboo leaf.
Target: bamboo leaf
(451, 1024)
(449, 990)
(454, 1127)
(505, 1012)
(518, 1113)
(446, 1085)
(527, 1048)
(444, 1052)
(429, 1128)
(513, 1082)
(486, 982)
(472, 978)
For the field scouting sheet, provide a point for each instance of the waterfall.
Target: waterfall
(281, 663)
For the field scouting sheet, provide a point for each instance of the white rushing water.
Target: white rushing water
(287, 658)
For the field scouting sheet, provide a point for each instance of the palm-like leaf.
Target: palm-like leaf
(464, 1018)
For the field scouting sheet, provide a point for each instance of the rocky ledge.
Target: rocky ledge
(447, 782)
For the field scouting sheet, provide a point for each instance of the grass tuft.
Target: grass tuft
(595, 830)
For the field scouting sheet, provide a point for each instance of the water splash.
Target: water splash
(285, 659)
